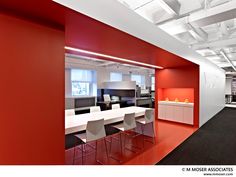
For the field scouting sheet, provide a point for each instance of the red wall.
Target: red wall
(181, 77)
(180, 93)
(32, 76)
(31, 92)
(86, 33)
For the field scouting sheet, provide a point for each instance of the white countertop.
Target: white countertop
(176, 103)
(78, 122)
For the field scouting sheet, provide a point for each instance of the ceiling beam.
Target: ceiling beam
(198, 33)
(142, 5)
(172, 7)
(215, 44)
(201, 18)
(227, 59)
(218, 2)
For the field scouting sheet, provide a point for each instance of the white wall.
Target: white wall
(228, 86)
(212, 89)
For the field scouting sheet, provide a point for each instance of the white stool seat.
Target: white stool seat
(141, 120)
(120, 127)
(82, 136)
(128, 123)
(95, 131)
(147, 119)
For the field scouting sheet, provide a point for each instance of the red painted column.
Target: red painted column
(31, 92)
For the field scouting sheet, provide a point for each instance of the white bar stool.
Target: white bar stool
(95, 131)
(129, 124)
(147, 119)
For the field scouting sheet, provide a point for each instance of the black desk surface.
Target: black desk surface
(112, 102)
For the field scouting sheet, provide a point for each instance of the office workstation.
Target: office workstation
(100, 89)
(109, 91)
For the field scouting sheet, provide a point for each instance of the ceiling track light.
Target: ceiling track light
(112, 57)
(227, 58)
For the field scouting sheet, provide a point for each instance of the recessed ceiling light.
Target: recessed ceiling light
(205, 52)
(112, 57)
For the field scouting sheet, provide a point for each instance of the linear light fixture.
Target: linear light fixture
(112, 57)
(227, 58)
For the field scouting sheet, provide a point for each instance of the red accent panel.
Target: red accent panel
(181, 77)
(160, 94)
(89, 34)
(42, 11)
(180, 93)
(32, 93)
(35, 53)
(86, 33)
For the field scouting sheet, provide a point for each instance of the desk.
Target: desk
(107, 105)
(78, 122)
(144, 102)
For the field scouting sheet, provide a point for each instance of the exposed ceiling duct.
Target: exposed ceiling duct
(207, 26)
(201, 18)
(216, 44)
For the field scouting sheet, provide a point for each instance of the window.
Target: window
(115, 76)
(80, 88)
(153, 83)
(140, 80)
(83, 82)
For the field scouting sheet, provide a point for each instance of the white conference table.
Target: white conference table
(77, 123)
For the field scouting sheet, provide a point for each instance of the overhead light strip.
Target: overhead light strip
(112, 57)
(227, 58)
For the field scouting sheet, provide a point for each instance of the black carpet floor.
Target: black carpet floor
(213, 144)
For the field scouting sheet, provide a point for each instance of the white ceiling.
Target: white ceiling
(207, 26)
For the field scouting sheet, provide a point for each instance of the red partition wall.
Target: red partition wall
(31, 92)
(32, 74)
(178, 82)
